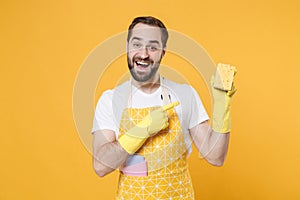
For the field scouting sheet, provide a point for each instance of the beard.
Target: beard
(142, 77)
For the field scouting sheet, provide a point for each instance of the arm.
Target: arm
(212, 143)
(212, 146)
(108, 154)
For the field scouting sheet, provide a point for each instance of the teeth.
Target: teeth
(142, 63)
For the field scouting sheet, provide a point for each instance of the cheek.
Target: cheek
(130, 56)
(157, 56)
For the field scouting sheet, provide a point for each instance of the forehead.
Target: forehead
(146, 32)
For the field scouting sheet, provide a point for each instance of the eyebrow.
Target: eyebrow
(136, 38)
(151, 41)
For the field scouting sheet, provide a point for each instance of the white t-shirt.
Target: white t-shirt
(111, 104)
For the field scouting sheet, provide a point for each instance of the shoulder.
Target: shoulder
(181, 88)
(122, 87)
(110, 93)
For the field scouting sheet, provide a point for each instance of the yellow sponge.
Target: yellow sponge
(224, 77)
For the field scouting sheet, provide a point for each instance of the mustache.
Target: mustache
(142, 59)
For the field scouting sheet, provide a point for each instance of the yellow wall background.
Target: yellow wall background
(44, 43)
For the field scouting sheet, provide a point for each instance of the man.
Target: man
(145, 126)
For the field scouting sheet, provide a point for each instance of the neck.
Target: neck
(149, 86)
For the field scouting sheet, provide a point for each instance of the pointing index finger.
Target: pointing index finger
(171, 105)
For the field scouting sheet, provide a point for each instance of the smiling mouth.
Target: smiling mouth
(142, 63)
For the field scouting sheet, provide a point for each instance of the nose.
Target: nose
(144, 53)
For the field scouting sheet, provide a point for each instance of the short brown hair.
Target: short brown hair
(152, 21)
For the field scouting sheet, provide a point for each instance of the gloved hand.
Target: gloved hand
(154, 122)
(221, 122)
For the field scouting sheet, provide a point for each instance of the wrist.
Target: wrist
(134, 139)
(221, 119)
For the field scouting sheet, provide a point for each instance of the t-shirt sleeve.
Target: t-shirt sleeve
(104, 118)
(197, 111)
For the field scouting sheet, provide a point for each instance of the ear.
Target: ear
(163, 52)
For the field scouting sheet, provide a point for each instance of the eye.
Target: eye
(136, 45)
(152, 48)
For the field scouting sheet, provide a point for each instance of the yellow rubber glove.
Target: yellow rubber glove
(154, 122)
(221, 122)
